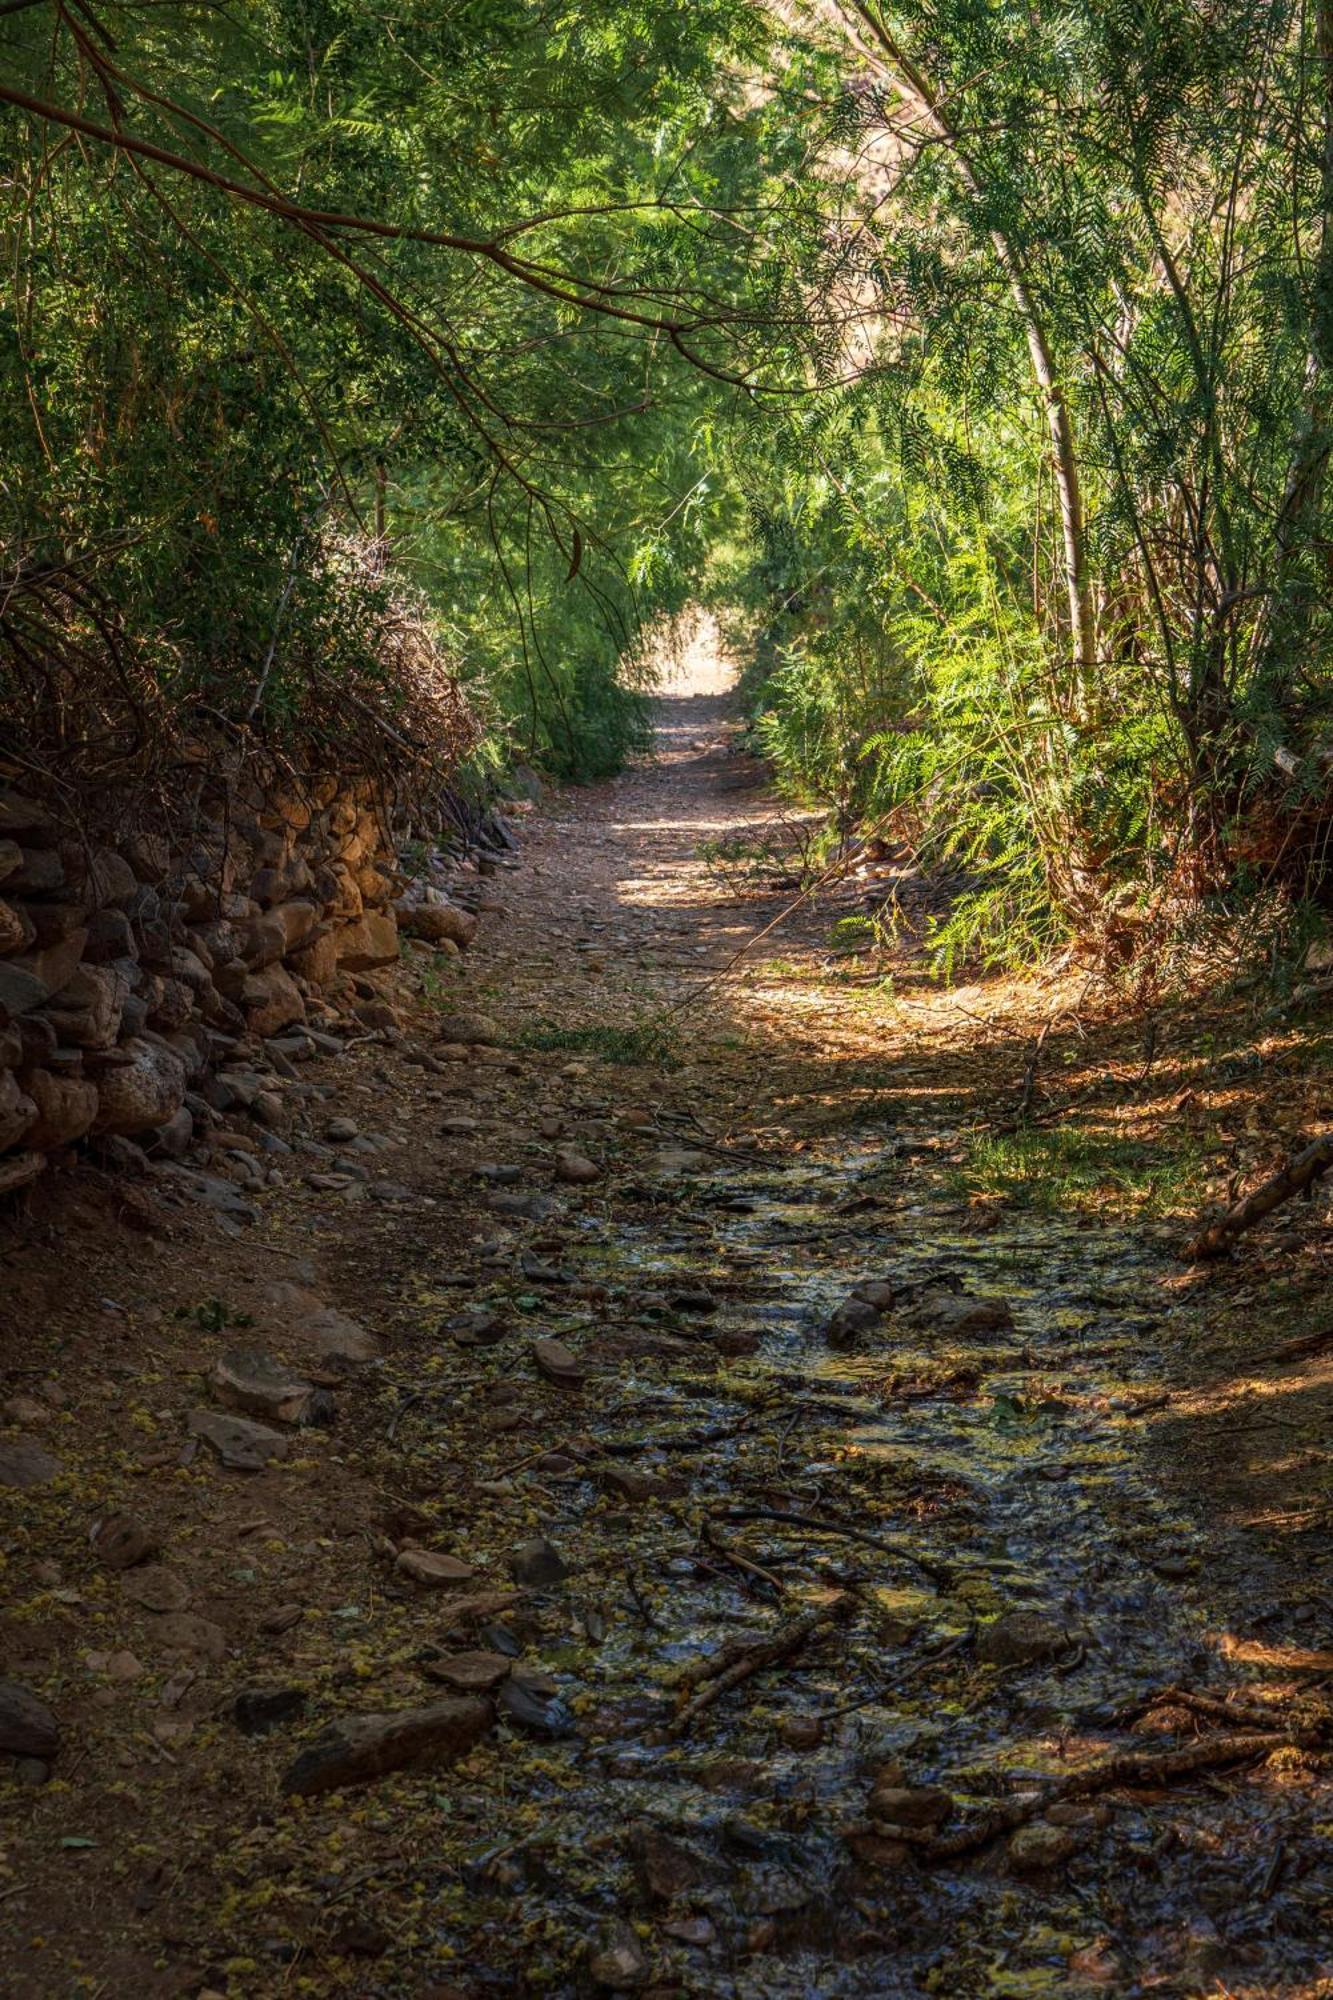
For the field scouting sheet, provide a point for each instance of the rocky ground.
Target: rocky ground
(634, 1508)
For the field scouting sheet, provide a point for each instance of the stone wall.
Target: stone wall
(133, 967)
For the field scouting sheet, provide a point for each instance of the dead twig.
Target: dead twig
(733, 1555)
(766, 1653)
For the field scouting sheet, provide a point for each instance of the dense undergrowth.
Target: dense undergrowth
(975, 360)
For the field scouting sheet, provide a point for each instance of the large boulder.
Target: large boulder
(88, 1008)
(280, 930)
(104, 877)
(272, 1001)
(317, 962)
(141, 1093)
(369, 942)
(40, 872)
(66, 1107)
(56, 964)
(425, 912)
(20, 991)
(17, 1111)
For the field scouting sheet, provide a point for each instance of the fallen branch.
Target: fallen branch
(1295, 1178)
(937, 1572)
(1134, 1767)
(766, 1653)
(1301, 1348)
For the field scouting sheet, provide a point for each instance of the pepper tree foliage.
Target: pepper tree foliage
(308, 302)
(1051, 581)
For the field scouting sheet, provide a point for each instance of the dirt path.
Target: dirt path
(840, 1512)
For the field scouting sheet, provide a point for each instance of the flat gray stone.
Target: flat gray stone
(362, 1748)
(24, 1464)
(240, 1444)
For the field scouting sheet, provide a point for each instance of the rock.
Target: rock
(341, 1131)
(20, 814)
(18, 1111)
(631, 1484)
(87, 1012)
(364, 1747)
(26, 1410)
(184, 1632)
(618, 1959)
(469, 1673)
(109, 935)
(303, 1317)
(158, 1588)
(56, 963)
(692, 1299)
(24, 1464)
(261, 1387)
(472, 1030)
(431, 1569)
(272, 1001)
(27, 1726)
(359, 1936)
(576, 1169)
(144, 1092)
(259, 1711)
(558, 1363)
(281, 1618)
(425, 912)
(528, 1703)
(666, 1868)
(209, 1190)
(18, 1169)
(121, 1540)
(40, 872)
(523, 1207)
(285, 928)
(370, 940)
(953, 1314)
(244, 1446)
(173, 1139)
(461, 1612)
(478, 1327)
(911, 1805)
(1019, 1638)
(537, 1563)
(734, 1341)
(802, 1732)
(876, 1850)
(102, 877)
(1039, 1846)
(17, 930)
(66, 1108)
(853, 1317)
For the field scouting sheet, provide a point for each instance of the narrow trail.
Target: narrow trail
(796, 1514)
